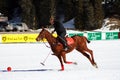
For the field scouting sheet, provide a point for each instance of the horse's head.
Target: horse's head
(41, 35)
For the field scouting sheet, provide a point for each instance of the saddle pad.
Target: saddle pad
(69, 40)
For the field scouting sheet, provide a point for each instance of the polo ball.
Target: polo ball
(9, 68)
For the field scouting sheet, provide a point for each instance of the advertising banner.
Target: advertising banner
(15, 38)
(31, 37)
(95, 36)
(111, 35)
(72, 34)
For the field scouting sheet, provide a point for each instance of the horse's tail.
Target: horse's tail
(87, 39)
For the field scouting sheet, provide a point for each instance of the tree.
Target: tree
(117, 7)
(42, 12)
(79, 23)
(28, 12)
(98, 13)
(36, 13)
(89, 15)
(69, 9)
(4, 7)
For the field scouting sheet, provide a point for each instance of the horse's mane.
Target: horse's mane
(49, 34)
(47, 31)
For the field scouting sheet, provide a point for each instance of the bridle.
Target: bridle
(45, 44)
(42, 38)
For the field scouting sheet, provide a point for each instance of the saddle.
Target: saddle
(69, 40)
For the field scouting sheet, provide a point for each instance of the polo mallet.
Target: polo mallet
(43, 63)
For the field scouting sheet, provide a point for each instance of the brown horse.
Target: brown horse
(80, 44)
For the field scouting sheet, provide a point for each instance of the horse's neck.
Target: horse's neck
(51, 40)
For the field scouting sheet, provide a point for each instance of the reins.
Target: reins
(46, 45)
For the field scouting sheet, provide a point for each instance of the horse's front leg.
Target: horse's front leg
(60, 59)
(64, 59)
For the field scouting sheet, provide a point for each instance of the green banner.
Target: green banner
(111, 35)
(72, 34)
(95, 36)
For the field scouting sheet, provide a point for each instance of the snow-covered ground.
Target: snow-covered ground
(25, 61)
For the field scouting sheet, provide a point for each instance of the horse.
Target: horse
(80, 44)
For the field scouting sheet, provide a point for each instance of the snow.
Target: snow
(25, 61)
(105, 27)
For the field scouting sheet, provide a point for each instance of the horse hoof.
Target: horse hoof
(61, 70)
(95, 65)
(53, 54)
(75, 63)
(67, 62)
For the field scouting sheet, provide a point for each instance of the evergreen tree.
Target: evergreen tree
(89, 15)
(53, 7)
(36, 13)
(79, 15)
(117, 7)
(98, 13)
(69, 9)
(109, 8)
(4, 7)
(42, 12)
(28, 12)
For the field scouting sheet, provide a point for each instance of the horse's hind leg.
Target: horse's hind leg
(91, 59)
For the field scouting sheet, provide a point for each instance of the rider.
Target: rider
(61, 32)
